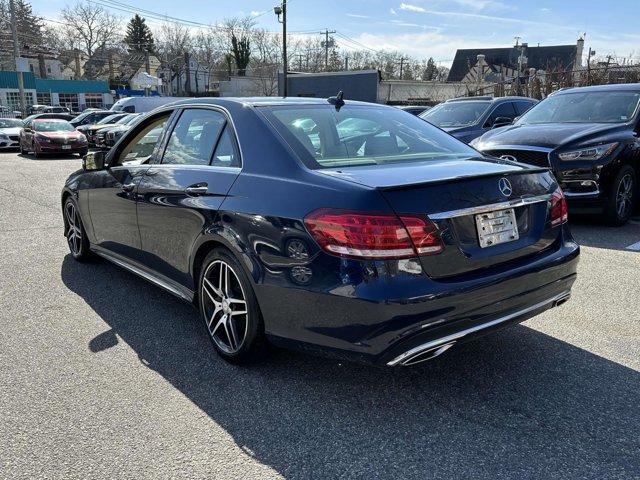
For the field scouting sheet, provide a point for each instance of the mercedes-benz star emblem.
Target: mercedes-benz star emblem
(505, 187)
(511, 158)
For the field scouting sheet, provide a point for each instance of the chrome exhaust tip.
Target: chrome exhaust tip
(426, 355)
(563, 299)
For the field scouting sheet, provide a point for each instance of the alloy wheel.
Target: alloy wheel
(224, 306)
(624, 196)
(74, 230)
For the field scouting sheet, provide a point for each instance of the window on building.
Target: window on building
(93, 100)
(44, 98)
(13, 100)
(69, 100)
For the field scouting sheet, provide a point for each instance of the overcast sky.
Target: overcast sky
(425, 28)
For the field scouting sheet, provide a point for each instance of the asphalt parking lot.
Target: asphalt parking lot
(105, 376)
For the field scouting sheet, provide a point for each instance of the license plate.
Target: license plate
(497, 227)
(66, 147)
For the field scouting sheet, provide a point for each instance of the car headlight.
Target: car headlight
(82, 138)
(591, 153)
(42, 138)
(3, 137)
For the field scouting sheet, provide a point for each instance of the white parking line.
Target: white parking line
(635, 247)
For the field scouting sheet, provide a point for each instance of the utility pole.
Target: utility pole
(282, 10)
(16, 54)
(326, 44)
(402, 59)
(346, 62)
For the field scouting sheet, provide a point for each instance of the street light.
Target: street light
(282, 10)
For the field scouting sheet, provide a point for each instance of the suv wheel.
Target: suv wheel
(622, 197)
(229, 309)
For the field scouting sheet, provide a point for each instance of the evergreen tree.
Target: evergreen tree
(139, 37)
(431, 71)
(29, 25)
(241, 50)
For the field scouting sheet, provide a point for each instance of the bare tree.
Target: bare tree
(89, 27)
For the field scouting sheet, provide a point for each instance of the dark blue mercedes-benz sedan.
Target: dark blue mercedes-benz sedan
(351, 229)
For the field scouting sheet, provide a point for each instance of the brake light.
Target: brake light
(373, 236)
(559, 212)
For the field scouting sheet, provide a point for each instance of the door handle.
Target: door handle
(197, 189)
(128, 187)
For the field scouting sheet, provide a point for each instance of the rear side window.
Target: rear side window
(226, 155)
(194, 137)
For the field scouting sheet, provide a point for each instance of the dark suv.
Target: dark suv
(589, 137)
(468, 118)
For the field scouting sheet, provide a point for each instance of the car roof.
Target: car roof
(491, 99)
(618, 87)
(46, 119)
(261, 101)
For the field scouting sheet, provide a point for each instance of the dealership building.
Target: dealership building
(74, 94)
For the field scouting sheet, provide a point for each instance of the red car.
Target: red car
(52, 136)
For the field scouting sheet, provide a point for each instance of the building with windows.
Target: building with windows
(74, 94)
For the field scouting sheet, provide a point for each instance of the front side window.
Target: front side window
(355, 135)
(584, 107)
(456, 114)
(502, 110)
(194, 137)
(140, 148)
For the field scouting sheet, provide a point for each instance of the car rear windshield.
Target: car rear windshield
(325, 137)
(44, 126)
(584, 107)
(456, 114)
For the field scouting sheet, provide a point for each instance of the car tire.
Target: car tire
(224, 288)
(622, 196)
(76, 236)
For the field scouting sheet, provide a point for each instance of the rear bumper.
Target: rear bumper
(371, 324)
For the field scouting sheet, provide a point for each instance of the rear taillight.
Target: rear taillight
(559, 212)
(373, 236)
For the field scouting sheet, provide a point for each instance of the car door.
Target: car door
(112, 198)
(182, 193)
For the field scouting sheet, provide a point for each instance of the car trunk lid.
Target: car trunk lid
(462, 196)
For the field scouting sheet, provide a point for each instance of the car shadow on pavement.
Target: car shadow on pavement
(590, 234)
(51, 156)
(512, 405)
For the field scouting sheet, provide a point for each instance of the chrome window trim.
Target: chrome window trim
(532, 148)
(462, 212)
(455, 336)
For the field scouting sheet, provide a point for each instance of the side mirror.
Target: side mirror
(94, 161)
(502, 122)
